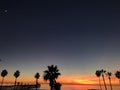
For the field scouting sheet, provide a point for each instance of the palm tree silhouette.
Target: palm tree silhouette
(3, 74)
(37, 75)
(103, 72)
(109, 77)
(16, 75)
(117, 74)
(51, 74)
(98, 74)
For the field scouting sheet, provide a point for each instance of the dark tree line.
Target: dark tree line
(51, 74)
(102, 73)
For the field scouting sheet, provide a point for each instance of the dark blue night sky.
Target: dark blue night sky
(78, 36)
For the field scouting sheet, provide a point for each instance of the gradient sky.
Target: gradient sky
(77, 36)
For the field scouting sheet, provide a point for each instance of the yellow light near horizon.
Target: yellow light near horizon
(83, 82)
(78, 79)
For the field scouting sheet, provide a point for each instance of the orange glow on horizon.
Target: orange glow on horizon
(65, 80)
(87, 80)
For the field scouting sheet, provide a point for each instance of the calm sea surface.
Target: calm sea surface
(79, 87)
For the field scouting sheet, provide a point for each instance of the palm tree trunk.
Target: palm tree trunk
(36, 83)
(51, 87)
(110, 83)
(104, 82)
(51, 84)
(2, 82)
(15, 83)
(100, 84)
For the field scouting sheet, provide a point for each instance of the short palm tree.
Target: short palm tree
(103, 72)
(98, 74)
(117, 74)
(16, 75)
(51, 74)
(3, 74)
(109, 77)
(37, 75)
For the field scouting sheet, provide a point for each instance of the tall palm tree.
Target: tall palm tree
(103, 72)
(117, 74)
(16, 75)
(98, 74)
(3, 74)
(51, 74)
(109, 77)
(37, 75)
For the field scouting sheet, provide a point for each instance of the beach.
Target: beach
(68, 87)
(79, 87)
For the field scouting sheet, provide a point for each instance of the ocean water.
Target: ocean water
(79, 87)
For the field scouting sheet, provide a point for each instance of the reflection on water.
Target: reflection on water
(79, 87)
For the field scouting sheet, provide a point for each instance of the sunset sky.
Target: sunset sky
(79, 37)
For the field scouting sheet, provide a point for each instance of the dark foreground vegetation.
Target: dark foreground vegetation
(51, 74)
(102, 73)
